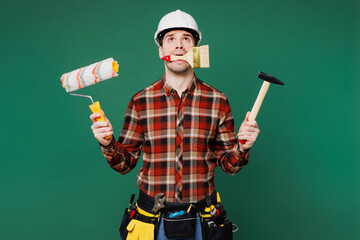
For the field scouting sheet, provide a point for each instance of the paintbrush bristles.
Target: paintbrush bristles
(204, 57)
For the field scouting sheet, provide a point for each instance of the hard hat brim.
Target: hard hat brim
(159, 35)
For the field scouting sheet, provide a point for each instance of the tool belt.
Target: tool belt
(147, 202)
(179, 218)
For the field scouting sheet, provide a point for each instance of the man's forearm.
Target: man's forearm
(233, 160)
(118, 157)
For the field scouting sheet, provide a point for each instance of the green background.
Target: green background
(302, 181)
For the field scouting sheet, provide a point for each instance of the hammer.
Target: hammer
(255, 110)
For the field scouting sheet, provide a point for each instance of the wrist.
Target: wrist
(108, 143)
(241, 149)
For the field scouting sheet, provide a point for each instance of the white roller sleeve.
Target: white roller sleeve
(89, 75)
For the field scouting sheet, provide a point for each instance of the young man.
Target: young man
(183, 126)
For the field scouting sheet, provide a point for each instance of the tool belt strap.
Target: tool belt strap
(145, 213)
(146, 202)
(146, 217)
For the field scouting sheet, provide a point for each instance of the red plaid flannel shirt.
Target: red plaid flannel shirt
(150, 125)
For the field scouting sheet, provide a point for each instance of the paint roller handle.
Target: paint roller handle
(95, 108)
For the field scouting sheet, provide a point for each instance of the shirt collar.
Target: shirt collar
(169, 90)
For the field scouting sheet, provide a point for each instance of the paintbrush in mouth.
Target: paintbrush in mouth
(197, 57)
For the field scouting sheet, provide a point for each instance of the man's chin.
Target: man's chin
(179, 68)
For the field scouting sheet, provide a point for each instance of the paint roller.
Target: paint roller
(87, 76)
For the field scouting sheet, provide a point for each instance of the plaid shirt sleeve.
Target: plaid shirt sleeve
(230, 158)
(122, 155)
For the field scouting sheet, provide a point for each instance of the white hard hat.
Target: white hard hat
(177, 20)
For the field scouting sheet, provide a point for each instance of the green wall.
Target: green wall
(302, 181)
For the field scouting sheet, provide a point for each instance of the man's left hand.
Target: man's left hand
(248, 132)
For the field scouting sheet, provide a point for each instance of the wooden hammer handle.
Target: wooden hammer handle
(257, 104)
(259, 100)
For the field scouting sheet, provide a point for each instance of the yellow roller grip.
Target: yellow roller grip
(95, 108)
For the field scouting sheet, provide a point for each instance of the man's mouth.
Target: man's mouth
(179, 54)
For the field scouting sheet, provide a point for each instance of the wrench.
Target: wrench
(159, 202)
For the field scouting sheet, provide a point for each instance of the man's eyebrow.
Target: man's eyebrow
(172, 34)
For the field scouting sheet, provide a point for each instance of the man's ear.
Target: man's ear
(161, 53)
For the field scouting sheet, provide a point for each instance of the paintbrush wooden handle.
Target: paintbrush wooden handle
(188, 57)
(174, 57)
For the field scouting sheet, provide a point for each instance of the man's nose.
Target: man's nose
(179, 44)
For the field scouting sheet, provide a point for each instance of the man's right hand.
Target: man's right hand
(101, 129)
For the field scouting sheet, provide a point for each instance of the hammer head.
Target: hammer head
(269, 78)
